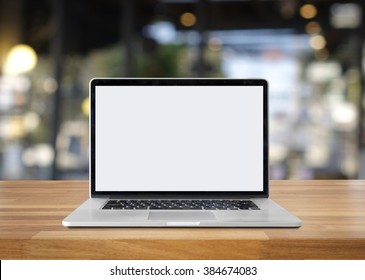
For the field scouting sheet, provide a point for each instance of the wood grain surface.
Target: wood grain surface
(333, 213)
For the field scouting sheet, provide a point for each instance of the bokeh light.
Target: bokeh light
(21, 59)
(188, 19)
(308, 11)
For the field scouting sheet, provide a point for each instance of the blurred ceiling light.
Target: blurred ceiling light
(85, 106)
(21, 59)
(312, 27)
(163, 32)
(188, 19)
(317, 42)
(347, 15)
(308, 11)
(323, 71)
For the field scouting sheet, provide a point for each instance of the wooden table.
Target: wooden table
(333, 213)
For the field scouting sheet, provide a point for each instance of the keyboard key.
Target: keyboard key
(175, 204)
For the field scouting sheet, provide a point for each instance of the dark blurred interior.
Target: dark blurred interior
(311, 52)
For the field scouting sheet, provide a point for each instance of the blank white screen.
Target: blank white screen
(179, 138)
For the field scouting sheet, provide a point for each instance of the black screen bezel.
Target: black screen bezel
(177, 82)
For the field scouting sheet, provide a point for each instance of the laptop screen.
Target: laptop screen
(178, 138)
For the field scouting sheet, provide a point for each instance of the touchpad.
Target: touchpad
(181, 215)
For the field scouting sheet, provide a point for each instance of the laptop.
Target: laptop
(179, 153)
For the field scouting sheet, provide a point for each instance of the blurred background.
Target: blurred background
(311, 52)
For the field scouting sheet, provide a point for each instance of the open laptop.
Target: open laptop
(179, 153)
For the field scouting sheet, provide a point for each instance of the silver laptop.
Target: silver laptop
(179, 153)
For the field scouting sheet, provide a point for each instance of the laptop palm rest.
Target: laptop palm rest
(181, 216)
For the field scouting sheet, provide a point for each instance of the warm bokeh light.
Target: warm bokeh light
(188, 19)
(313, 27)
(85, 106)
(322, 54)
(308, 11)
(21, 59)
(12, 128)
(318, 42)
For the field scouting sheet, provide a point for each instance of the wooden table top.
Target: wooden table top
(333, 213)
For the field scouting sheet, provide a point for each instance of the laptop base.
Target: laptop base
(90, 214)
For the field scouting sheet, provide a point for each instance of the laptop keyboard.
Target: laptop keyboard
(118, 204)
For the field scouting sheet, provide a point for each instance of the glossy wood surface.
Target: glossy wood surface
(333, 213)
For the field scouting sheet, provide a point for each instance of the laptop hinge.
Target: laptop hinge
(178, 196)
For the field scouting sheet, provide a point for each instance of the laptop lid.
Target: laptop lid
(176, 138)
